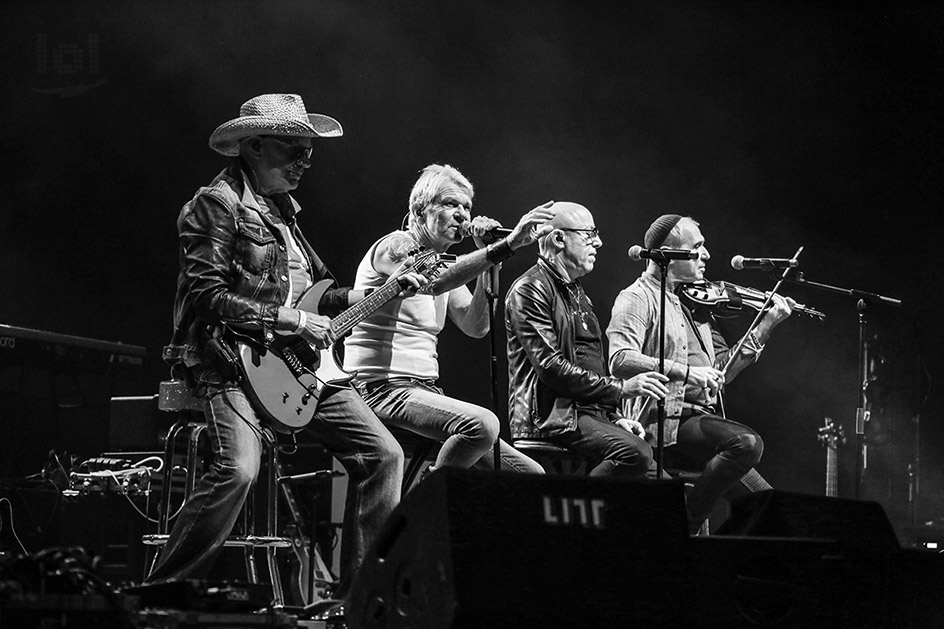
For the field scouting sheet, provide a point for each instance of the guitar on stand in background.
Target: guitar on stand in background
(831, 436)
(311, 578)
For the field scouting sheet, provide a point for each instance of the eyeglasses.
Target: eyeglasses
(296, 151)
(590, 233)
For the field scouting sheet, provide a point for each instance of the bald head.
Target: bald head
(566, 215)
(572, 244)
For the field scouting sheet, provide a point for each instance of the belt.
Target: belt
(373, 385)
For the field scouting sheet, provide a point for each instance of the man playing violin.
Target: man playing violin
(695, 359)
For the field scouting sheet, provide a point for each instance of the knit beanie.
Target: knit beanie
(659, 230)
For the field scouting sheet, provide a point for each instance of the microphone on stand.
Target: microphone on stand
(495, 233)
(637, 253)
(739, 263)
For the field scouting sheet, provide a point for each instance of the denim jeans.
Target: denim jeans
(615, 450)
(729, 452)
(348, 430)
(468, 431)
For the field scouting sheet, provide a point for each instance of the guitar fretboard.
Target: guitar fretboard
(425, 263)
(345, 322)
(832, 486)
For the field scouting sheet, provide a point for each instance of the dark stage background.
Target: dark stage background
(775, 124)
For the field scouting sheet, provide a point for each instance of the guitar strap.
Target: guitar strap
(286, 208)
(315, 262)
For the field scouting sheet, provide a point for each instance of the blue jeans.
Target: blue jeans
(347, 429)
(616, 451)
(468, 431)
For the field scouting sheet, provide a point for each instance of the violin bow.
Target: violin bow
(760, 315)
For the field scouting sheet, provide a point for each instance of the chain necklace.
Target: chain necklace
(578, 306)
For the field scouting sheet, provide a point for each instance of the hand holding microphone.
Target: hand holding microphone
(485, 229)
(531, 226)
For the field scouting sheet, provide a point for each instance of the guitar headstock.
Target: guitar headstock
(426, 262)
(831, 434)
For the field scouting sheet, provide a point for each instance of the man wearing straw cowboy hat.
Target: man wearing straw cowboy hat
(243, 264)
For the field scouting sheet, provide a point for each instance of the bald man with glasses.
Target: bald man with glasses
(559, 386)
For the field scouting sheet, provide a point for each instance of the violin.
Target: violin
(724, 299)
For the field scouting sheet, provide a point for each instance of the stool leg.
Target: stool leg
(272, 519)
(420, 452)
(167, 479)
(193, 452)
(167, 476)
(249, 551)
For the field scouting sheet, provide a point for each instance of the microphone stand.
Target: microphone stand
(760, 315)
(862, 413)
(491, 294)
(663, 263)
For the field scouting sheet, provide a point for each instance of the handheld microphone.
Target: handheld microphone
(739, 263)
(495, 233)
(637, 253)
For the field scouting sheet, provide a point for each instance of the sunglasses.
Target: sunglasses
(296, 151)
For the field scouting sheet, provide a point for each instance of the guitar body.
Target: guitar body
(285, 379)
(286, 398)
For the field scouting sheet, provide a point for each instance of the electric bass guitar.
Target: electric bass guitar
(284, 378)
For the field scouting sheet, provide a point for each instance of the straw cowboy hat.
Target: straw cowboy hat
(272, 114)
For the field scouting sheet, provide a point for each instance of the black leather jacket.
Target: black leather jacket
(544, 381)
(233, 269)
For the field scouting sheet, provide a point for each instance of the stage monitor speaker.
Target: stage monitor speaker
(495, 549)
(775, 513)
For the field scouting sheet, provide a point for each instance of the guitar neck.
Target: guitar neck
(832, 485)
(347, 320)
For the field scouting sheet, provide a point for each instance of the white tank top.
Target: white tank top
(399, 339)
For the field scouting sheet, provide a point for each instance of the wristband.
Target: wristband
(302, 322)
(752, 345)
(498, 251)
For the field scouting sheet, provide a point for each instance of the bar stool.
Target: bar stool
(553, 458)
(418, 450)
(175, 396)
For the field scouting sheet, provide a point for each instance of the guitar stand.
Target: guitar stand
(311, 478)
